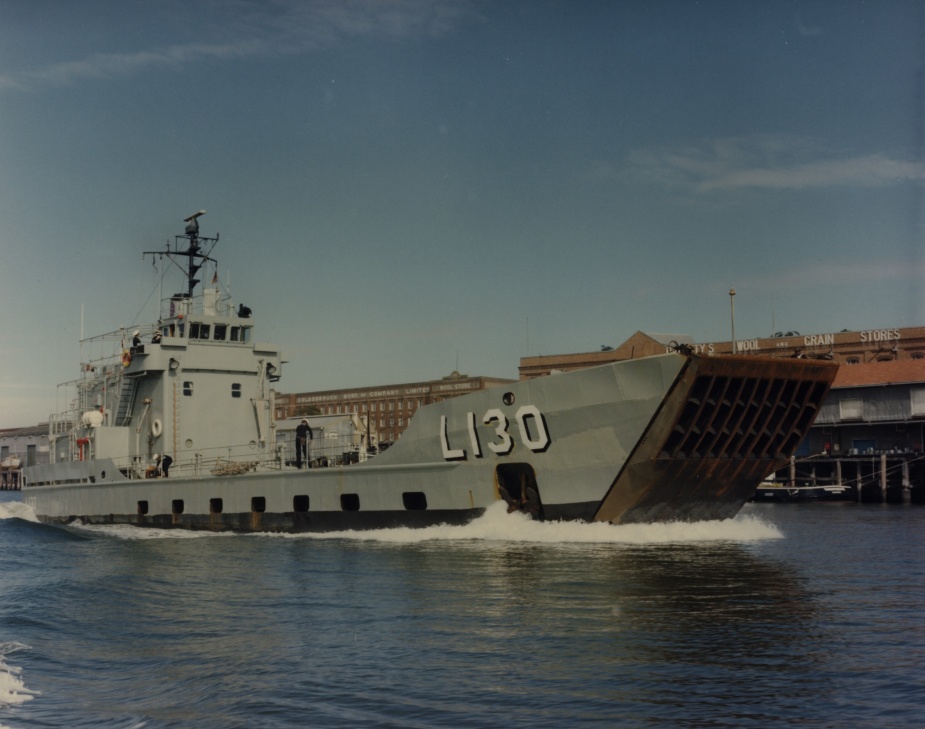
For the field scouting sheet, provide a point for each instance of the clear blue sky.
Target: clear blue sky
(407, 186)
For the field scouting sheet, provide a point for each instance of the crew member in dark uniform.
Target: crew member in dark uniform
(165, 465)
(303, 434)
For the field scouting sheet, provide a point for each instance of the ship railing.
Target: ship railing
(325, 452)
(107, 348)
(230, 461)
(211, 302)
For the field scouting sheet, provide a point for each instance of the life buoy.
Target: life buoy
(156, 428)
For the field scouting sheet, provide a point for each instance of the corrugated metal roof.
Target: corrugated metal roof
(27, 431)
(895, 372)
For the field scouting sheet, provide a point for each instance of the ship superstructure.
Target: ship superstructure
(195, 386)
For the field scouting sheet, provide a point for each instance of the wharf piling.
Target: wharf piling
(890, 477)
(10, 479)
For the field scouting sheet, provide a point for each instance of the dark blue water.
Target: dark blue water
(790, 615)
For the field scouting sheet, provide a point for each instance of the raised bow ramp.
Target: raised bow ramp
(726, 424)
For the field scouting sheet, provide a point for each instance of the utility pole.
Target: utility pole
(732, 312)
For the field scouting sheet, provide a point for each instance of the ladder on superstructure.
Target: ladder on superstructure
(126, 400)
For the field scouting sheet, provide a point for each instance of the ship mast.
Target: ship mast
(195, 258)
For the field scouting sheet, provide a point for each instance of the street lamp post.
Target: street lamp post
(732, 312)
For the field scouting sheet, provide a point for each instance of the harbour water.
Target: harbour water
(787, 616)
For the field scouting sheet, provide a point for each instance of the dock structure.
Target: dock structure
(876, 478)
(21, 447)
(867, 442)
(9, 478)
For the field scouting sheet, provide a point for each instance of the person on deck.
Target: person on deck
(303, 434)
(165, 465)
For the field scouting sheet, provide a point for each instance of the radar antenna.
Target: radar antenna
(195, 258)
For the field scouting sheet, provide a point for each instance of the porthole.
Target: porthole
(216, 506)
(300, 503)
(508, 398)
(258, 504)
(350, 502)
(142, 508)
(189, 443)
(177, 506)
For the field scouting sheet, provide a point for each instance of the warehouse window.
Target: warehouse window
(851, 409)
(918, 401)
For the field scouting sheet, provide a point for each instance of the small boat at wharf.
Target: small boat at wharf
(677, 436)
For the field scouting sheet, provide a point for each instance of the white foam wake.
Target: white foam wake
(495, 525)
(12, 689)
(17, 510)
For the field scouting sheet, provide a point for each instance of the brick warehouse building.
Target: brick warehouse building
(873, 345)
(389, 407)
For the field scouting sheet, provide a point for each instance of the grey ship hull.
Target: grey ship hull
(673, 437)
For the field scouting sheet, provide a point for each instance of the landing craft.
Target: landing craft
(678, 436)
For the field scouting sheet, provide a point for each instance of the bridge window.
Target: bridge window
(220, 332)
